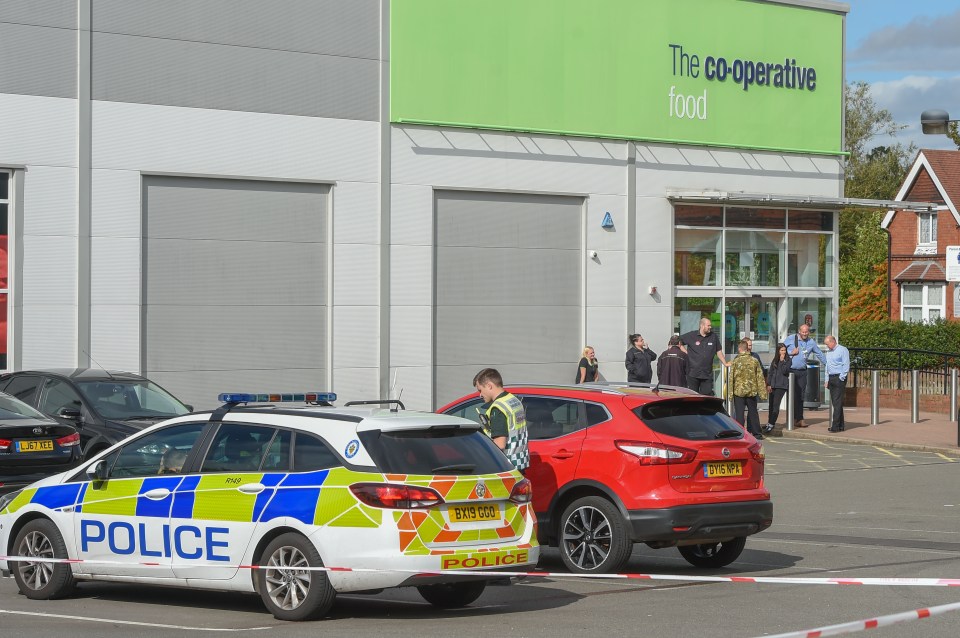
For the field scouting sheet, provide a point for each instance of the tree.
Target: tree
(953, 132)
(873, 171)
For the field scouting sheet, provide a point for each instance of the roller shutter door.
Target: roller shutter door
(508, 288)
(234, 286)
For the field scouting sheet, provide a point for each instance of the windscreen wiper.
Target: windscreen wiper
(729, 434)
(463, 467)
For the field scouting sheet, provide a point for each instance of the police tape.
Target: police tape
(774, 580)
(870, 623)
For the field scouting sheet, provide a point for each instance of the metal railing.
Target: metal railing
(895, 366)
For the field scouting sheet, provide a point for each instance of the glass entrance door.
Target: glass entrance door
(754, 318)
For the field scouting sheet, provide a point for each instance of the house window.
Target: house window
(922, 303)
(928, 227)
(4, 266)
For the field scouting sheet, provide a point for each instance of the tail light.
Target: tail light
(756, 451)
(657, 453)
(69, 441)
(522, 492)
(396, 497)
(5, 445)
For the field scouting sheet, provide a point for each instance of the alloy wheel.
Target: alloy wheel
(36, 575)
(288, 583)
(587, 537)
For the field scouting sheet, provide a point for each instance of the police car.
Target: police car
(254, 497)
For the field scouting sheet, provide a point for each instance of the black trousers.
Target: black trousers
(837, 387)
(776, 396)
(753, 417)
(703, 386)
(800, 389)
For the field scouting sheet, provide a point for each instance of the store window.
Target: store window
(697, 257)
(810, 260)
(816, 313)
(927, 226)
(753, 258)
(922, 302)
(4, 264)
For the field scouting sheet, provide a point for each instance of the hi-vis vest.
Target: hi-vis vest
(516, 449)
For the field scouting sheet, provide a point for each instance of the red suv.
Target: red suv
(613, 465)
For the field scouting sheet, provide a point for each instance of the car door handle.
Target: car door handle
(158, 494)
(562, 454)
(252, 488)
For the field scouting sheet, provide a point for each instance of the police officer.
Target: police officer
(505, 421)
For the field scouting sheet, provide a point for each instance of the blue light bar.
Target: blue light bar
(299, 397)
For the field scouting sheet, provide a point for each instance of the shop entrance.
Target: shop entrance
(755, 318)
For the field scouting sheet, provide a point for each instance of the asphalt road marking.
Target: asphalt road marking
(112, 621)
(946, 458)
(896, 456)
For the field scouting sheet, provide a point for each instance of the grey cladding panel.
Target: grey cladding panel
(235, 285)
(46, 13)
(227, 209)
(499, 220)
(508, 277)
(336, 27)
(214, 76)
(38, 60)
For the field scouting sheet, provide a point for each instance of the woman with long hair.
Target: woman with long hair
(639, 359)
(778, 380)
(588, 370)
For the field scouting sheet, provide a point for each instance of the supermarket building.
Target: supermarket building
(369, 196)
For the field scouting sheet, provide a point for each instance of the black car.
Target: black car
(105, 406)
(32, 446)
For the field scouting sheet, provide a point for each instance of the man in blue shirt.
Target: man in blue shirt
(838, 367)
(800, 346)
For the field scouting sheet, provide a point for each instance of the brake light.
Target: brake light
(69, 441)
(657, 453)
(5, 445)
(522, 492)
(400, 497)
(756, 451)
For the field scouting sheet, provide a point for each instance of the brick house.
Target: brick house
(919, 290)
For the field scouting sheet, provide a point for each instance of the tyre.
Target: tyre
(593, 537)
(719, 554)
(287, 590)
(41, 581)
(452, 595)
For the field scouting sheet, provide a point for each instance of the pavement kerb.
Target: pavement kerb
(788, 434)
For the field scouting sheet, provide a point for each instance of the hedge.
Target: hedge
(939, 336)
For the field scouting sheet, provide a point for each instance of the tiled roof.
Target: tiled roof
(946, 166)
(922, 271)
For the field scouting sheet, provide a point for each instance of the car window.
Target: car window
(121, 399)
(694, 420)
(238, 447)
(310, 453)
(457, 450)
(58, 394)
(24, 388)
(550, 417)
(277, 458)
(11, 408)
(160, 452)
(468, 410)
(596, 414)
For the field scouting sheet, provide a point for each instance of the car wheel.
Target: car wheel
(41, 581)
(719, 554)
(289, 591)
(452, 595)
(593, 537)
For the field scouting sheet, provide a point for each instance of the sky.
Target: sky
(909, 53)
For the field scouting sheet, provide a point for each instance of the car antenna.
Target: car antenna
(98, 365)
(656, 388)
(393, 388)
(396, 406)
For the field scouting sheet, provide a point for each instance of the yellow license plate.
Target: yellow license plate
(467, 513)
(35, 446)
(727, 468)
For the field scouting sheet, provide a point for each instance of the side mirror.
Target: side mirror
(188, 406)
(72, 414)
(98, 471)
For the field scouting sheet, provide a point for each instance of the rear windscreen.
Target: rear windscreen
(435, 451)
(696, 420)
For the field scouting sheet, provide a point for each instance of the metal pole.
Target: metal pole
(725, 384)
(791, 390)
(914, 396)
(829, 398)
(954, 390)
(874, 397)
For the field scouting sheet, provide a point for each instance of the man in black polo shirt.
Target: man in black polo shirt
(701, 347)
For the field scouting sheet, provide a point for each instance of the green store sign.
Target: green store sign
(734, 73)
